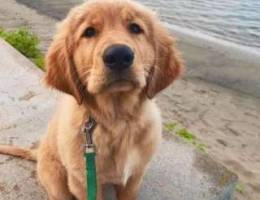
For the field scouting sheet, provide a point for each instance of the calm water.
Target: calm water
(233, 20)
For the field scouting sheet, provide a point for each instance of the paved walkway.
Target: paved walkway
(226, 121)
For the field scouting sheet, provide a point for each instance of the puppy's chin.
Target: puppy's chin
(120, 86)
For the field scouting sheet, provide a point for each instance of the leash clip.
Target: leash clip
(88, 130)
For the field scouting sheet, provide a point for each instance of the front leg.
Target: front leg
(131, 189)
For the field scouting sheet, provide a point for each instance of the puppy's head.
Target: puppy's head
(107, 46)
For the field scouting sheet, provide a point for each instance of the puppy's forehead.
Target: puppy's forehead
(110, 11)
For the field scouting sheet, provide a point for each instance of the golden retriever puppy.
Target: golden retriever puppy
(109, 58)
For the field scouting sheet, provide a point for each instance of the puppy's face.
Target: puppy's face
(115, 49)
(111, 47)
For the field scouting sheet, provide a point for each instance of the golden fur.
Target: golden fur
(129, 124)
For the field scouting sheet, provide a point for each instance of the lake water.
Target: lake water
(237, 21)
(233, 20)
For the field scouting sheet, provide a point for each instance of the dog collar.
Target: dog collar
(90, 159)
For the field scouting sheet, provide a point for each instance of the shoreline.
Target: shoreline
(186, 32)
(224, 63)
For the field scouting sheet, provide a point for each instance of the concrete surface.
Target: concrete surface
(24, 110)
(209, 59)
(178, 173)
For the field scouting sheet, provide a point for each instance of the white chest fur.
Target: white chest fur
(131, 163)
(118, 171)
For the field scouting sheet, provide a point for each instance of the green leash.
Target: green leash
(90, 159)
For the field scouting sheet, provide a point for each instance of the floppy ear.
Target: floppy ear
(168, 65)
(61, 71)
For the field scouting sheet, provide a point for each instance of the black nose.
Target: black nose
(118, 57)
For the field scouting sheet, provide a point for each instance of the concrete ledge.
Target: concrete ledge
(178, 172)
(221, 62)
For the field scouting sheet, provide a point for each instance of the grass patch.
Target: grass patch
(169, 127)
(191, 138)
(240, 188)
(26, 43)
(184, 134)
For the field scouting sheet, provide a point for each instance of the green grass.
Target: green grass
(184, 134)
(240, 188)
(26, 43)
(170, 126)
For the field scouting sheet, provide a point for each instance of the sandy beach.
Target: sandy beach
(217, 100)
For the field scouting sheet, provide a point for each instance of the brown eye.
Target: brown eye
(135, 28)
(90, 32)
